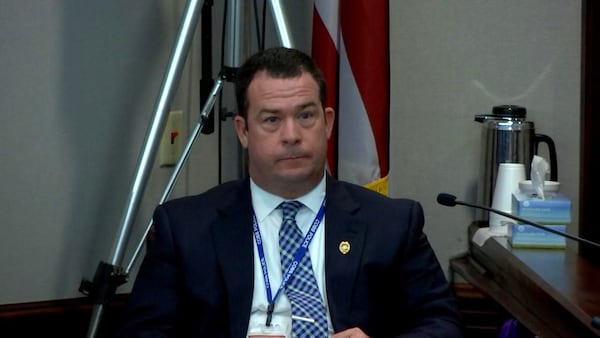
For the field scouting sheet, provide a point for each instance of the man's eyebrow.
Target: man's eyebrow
(307, 105)
(268, 111)
(300, 106)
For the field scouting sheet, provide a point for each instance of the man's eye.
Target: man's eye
(271, 119)
(307, 118)
(304, 115)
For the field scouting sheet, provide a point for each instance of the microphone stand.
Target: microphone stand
(110, 275)
(450, 201)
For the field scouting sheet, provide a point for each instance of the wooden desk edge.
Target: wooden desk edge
(467, 269)
(523, 293)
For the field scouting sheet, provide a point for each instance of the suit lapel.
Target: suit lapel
(234, 246)
(344, 243)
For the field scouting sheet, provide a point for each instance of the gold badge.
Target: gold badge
(344, 247)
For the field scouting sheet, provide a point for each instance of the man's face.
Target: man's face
(285, 133)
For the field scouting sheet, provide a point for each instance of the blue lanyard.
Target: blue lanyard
(289, 271)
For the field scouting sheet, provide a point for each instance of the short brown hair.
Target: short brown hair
(279, 62)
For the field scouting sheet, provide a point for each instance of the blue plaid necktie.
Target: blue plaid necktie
(301, 289)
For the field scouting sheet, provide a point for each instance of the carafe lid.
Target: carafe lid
(509, 111)
(503, 112)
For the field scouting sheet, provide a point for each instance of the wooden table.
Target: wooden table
(554, 293)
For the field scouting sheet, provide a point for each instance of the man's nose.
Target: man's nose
(290, 130)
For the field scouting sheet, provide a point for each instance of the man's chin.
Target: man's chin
(298, 175)
(294, 175)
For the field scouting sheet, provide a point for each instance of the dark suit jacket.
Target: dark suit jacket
(196, 279)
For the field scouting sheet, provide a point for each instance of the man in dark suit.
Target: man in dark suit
(212, 266)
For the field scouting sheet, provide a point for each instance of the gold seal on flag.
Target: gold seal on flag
(344, 247)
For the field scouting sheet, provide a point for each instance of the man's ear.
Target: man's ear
(241, 130)
(329, 120)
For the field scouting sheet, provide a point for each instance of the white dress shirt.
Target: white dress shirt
(269, 219)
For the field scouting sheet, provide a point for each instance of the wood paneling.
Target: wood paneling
(68, 318)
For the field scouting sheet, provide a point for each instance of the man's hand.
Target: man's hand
(350, 333)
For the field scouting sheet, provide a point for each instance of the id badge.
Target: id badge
(263, 331)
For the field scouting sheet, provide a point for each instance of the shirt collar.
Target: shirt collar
(264, 202)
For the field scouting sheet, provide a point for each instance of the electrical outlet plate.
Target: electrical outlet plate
(171, 144)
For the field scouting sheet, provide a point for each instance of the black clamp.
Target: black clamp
(106, 280)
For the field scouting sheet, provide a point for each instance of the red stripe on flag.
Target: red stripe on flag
(364, 25)
(326, 57)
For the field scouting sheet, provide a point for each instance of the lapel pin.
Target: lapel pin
(344, 247)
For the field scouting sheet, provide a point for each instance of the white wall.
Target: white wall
(79, 82)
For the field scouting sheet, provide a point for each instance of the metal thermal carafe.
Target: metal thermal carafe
(507, 137)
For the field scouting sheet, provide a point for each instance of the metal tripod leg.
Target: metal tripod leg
(204, 115)
(107, 274)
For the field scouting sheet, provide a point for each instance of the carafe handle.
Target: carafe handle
(541, 138)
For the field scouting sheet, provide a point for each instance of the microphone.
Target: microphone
(450, 201)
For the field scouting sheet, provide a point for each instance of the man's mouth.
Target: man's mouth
(292, 157)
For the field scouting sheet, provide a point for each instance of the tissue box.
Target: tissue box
(554, 209)
(528, 236)
(553, 212)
